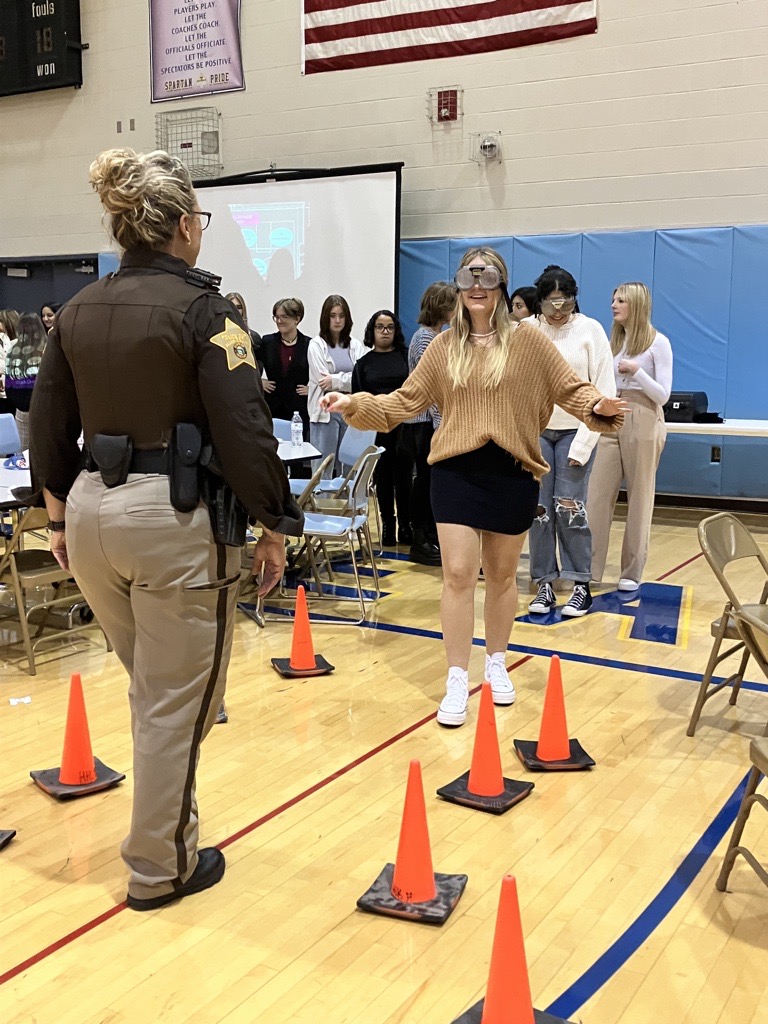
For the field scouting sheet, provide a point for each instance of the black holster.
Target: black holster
(229, 518)
(185, 473)
(112, 454)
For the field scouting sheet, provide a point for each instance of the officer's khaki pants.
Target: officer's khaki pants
(633, 455)
(165, 594)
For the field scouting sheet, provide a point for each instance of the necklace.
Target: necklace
(488, 335)
(292, 341)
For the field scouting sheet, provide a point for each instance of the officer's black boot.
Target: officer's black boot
(423, 550)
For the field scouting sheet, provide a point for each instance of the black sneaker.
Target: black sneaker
(579, 602)
(544, 601)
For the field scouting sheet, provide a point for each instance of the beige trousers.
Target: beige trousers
(633, 455)
(165, 594)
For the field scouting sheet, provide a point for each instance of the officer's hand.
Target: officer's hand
(334, 401)
(269, 558)
(59, 549)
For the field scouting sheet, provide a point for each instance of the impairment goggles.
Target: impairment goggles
(551, 307)
(483, 277)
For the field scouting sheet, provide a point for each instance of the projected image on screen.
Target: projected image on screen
(305, 238)
(272, 228)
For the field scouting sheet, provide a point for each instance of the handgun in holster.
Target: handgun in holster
(229, 518)
(112, 454)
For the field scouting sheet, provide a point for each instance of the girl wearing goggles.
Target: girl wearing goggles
(493, 381)
(569, 447)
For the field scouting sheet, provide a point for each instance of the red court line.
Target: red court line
(61, 943)
(681, 566)
(36, 958)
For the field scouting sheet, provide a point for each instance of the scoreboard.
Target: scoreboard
(40, 45)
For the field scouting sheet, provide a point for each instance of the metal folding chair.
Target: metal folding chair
(27, 570)
(758, 755)
(349, 530)
(724, 540)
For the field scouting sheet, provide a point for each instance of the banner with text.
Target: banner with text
(195, 48)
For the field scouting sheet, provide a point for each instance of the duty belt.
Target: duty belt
(149, 460)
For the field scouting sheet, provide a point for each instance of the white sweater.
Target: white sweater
(584, 345)
(320, 363)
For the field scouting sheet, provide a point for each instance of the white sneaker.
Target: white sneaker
(501, 685)
(453, 706)
(628, 585)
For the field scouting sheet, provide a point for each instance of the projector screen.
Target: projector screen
(306, 235)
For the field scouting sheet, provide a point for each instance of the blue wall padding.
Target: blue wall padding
(608, 259)
(532, 253)
(708, 287)
(745, 467)
(108, 263)
(746, 395)
(421, 264)
(686, 466)
(691, 305)
(458, 246)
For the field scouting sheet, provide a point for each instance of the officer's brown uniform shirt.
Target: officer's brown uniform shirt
(125, 358)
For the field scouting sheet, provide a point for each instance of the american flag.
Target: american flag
(339, 34)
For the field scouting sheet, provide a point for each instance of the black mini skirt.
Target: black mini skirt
(487, 489)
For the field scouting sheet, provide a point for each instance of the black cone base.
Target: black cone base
(474, 1015)
(283, 666)
(6, 835)
(456, 792)
(379, 899)
(48, 780)
(578, 761)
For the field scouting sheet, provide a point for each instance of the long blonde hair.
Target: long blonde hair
(461, 352)
(144, 195)
(637, 334)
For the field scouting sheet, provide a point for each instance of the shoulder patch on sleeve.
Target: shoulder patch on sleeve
(236, 343)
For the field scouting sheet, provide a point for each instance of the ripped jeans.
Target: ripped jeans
(563, 521)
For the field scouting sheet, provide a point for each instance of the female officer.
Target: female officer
(129, 358)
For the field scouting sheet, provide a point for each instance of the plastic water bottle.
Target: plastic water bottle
(297, 431)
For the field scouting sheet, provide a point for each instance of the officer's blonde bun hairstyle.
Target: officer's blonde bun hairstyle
(144, 195)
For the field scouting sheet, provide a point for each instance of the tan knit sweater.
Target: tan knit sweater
(513, 414)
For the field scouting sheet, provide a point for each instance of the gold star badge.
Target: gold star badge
(236, 343)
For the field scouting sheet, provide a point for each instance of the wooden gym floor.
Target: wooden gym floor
(304, 789)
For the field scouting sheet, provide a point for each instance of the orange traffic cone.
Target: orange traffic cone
(508, 995)
(554, 751)
(303, 661)
(553, 742)
(484, 787)
(80, 771)
(413, 880)
(77, 765)
(409, 888)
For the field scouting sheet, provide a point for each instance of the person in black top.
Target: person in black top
(380, 372)
(285, 363)
(157, 370)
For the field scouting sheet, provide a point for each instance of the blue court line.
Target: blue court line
(603, 969)
(544, 652)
